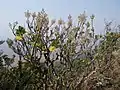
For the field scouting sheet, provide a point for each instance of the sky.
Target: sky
(13, 10)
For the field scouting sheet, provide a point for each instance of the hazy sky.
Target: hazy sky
(13, 10)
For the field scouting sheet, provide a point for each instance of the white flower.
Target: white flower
(38, 20)
(70, 23)
(69, 20)
(34, 15)
(60, 21)
(27, 14)
(82, 18)
(46, 22)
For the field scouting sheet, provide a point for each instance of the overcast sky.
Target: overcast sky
(13, 10)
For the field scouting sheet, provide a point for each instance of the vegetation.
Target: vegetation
(59, 55)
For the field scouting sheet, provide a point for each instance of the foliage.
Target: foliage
(58, 55)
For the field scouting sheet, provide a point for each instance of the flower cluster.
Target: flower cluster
(82, 17)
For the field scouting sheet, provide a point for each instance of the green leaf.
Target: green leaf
(88, 24)
(9, 42)
(96, 37)
(101, 36)
(55, 43)
(20, 31)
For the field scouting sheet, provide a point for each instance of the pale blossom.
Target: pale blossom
(82, 18)
(60, 21)
(27, 14)
(69, 20)
(38, 20)
(34, 15)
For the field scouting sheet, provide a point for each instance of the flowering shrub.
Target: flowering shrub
(58, 46)
(58, 55)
